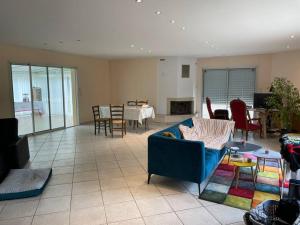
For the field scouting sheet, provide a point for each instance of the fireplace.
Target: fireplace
(181, 107)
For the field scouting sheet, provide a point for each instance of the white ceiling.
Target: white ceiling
(107, 28)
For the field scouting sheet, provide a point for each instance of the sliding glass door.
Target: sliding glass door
(40, 98)
(45, 98)
(70, 94)
(56, 97)
(22, 97)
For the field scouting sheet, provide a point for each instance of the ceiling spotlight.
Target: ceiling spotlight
(182, 28)
(132, 46)
(292, 36)
(149, 51)
(288, 46)
(138, 1)
(141, 49)
(158, 12)
(207, 42)
(172, 21)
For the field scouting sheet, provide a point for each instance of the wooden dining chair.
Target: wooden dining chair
(132, 103)
(117, 122)
(141, 103)
(98, 121)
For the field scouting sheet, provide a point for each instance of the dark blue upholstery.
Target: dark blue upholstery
(179, 158)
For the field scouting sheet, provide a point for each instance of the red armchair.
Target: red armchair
(218, 114)
(241, 117)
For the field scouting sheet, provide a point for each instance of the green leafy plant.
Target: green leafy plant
(286, 99)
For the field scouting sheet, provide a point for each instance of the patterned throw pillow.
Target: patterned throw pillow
(168, 134)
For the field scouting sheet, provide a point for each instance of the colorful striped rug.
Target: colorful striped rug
(221, 186)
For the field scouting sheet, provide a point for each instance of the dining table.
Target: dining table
(138, 113)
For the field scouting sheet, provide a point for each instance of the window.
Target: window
(224, 85)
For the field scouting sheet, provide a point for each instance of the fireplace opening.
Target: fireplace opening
(181, 107)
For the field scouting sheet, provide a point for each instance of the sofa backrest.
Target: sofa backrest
(175, 128)
(213, 127)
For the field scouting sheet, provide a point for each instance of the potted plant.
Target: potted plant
(286, 99)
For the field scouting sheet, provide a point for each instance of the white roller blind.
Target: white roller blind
(215, 87)
(224, 85)
(242, 85)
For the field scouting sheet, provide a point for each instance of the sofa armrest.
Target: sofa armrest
(177, 158)
(19, 153)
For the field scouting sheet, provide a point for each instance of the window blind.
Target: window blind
(215, 87)
(224, 85)
(241, 85)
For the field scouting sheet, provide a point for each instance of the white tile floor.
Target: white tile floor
(99, 180)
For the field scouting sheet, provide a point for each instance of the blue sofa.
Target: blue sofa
(179, 158)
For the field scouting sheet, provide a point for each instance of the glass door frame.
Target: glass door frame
(49, 96)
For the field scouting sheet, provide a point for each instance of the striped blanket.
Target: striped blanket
(214, 133)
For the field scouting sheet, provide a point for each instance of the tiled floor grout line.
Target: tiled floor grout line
(72, 185)
(99, 182)
(40, 196)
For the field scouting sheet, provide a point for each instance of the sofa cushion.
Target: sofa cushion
(169, 134)
(174, 130)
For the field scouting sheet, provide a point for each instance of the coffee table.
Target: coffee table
(269, 155)
(238, 146)
(238, 165)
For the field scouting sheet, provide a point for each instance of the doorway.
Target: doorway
(45, 98)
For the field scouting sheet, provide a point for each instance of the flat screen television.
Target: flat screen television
(260, 100)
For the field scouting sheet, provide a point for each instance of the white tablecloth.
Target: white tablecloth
(131, 112)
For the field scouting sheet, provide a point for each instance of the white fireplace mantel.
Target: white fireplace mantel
(169, 100)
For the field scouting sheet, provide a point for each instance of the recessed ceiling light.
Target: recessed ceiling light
(207, 42)
(158, 12)
(149, 51)
(78, 40)
(288, 46)
(172, 21)
(182, 28)
(292, 36)
(138, 1)
(60, 42)
(141, 49)
(132, 46)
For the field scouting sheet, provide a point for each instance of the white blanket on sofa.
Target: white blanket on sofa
(214, 133)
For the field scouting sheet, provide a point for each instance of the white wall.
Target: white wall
(166, 83)
(186, 87)
(170, 84)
